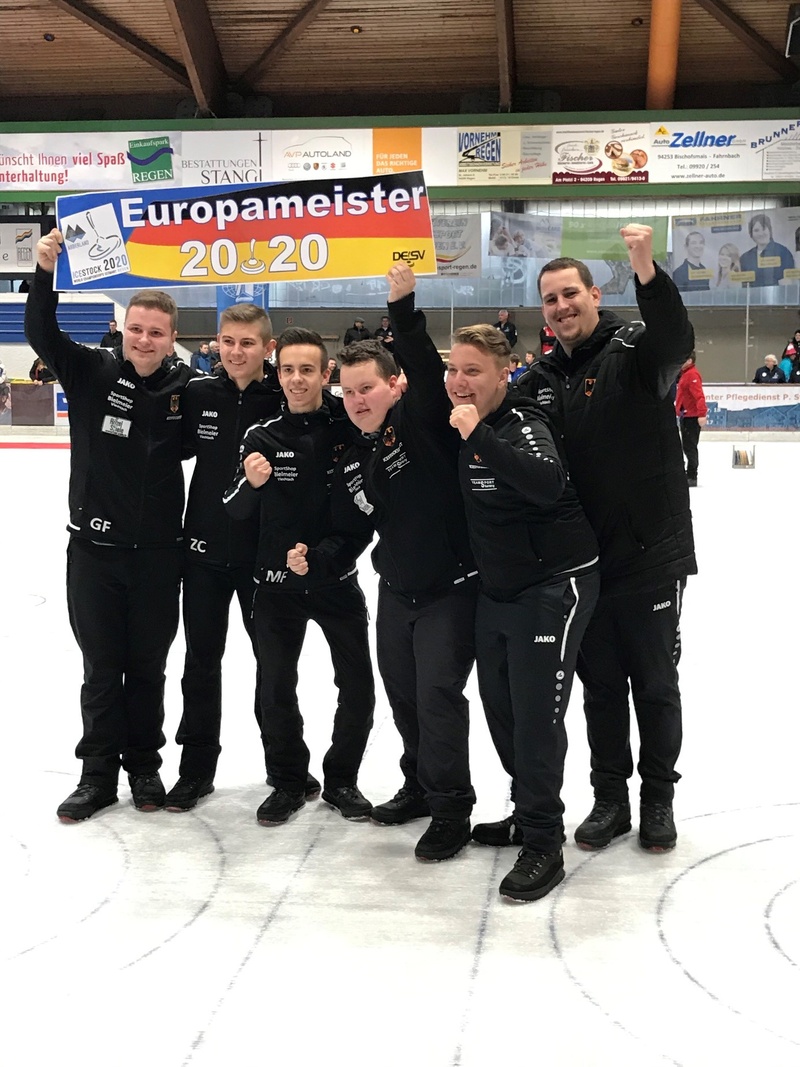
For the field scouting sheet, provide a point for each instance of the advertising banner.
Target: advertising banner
(547, 237)
(669, 152)
(458, 245)
(504, 155)
(17, 244)
(600, 155)
(753, 407)
(733, 249)
(292, 231)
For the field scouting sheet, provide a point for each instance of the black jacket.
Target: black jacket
(769, 376)
(509, 330)
(294, 503)
(111, 340)
(525, 522)
(216, 415)
(356, 333)
(610, 400)
(126, 482)
(404, 477)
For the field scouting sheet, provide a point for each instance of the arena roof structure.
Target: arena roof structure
(98, 60)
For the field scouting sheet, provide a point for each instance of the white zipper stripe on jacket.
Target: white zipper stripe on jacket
(574, 585)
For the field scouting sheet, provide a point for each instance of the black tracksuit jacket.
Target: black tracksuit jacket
(215, 418)
(525, 522)
(611, 402)
(404, 477)
(294, 503)
(126, 482)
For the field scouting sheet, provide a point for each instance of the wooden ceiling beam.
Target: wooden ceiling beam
(662, 59)
(284, 40)
(201, 53)
(748, 36)
(506, 53)
(122, 36)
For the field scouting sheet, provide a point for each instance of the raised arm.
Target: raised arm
(414, 351)
(668, 337)
(64, 357)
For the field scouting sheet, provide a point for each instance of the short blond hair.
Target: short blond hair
(249, 314)
(486, 338)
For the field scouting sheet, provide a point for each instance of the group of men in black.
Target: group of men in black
(534, 530)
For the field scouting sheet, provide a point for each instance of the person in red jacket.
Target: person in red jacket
(690, 407)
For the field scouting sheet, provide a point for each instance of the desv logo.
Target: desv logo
(664, 604)
(210, 415)
(409, 257)
(284, 455)
(100, 524)
(198, 546)
(544, 639)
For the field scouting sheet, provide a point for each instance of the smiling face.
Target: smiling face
(243, 350)
(302, 377)
(760, 234)
(475, 377)
(368, 397)
(569, 306)
(147, 338)
(695, 246)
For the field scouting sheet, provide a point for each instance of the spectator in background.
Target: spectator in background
(690, 407)
(695, 244)
(792, 349)
(5, 388)
(547, 342)
(216, 359)
(333, 372)
(517, 368)
(506, 328)
(357, 332)
(112, 339)
(727, 260)
(384, 334)
(529, 358)
(786, 366)
(770, 373)
(766, 250)
(201, 359)
(40, 374)
(794, 377)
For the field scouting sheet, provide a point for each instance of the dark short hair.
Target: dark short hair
(566, 263)
(297, 335)
(763, 221)
(694, 233)
(364, 352)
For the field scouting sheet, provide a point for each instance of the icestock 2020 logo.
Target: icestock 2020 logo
(150, 160)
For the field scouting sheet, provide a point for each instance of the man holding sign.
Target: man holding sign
(124, 555)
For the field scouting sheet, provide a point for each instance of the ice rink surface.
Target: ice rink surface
(204, 939)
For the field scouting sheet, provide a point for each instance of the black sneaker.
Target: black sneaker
(607, 819)
(186, 792)
(278, 806)
(504, 832)
(533, 875)
(404, 806)
(312, 786)
(147, 791)
(85, 801)
(443, 839)
(348, 800)
(657, 831)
